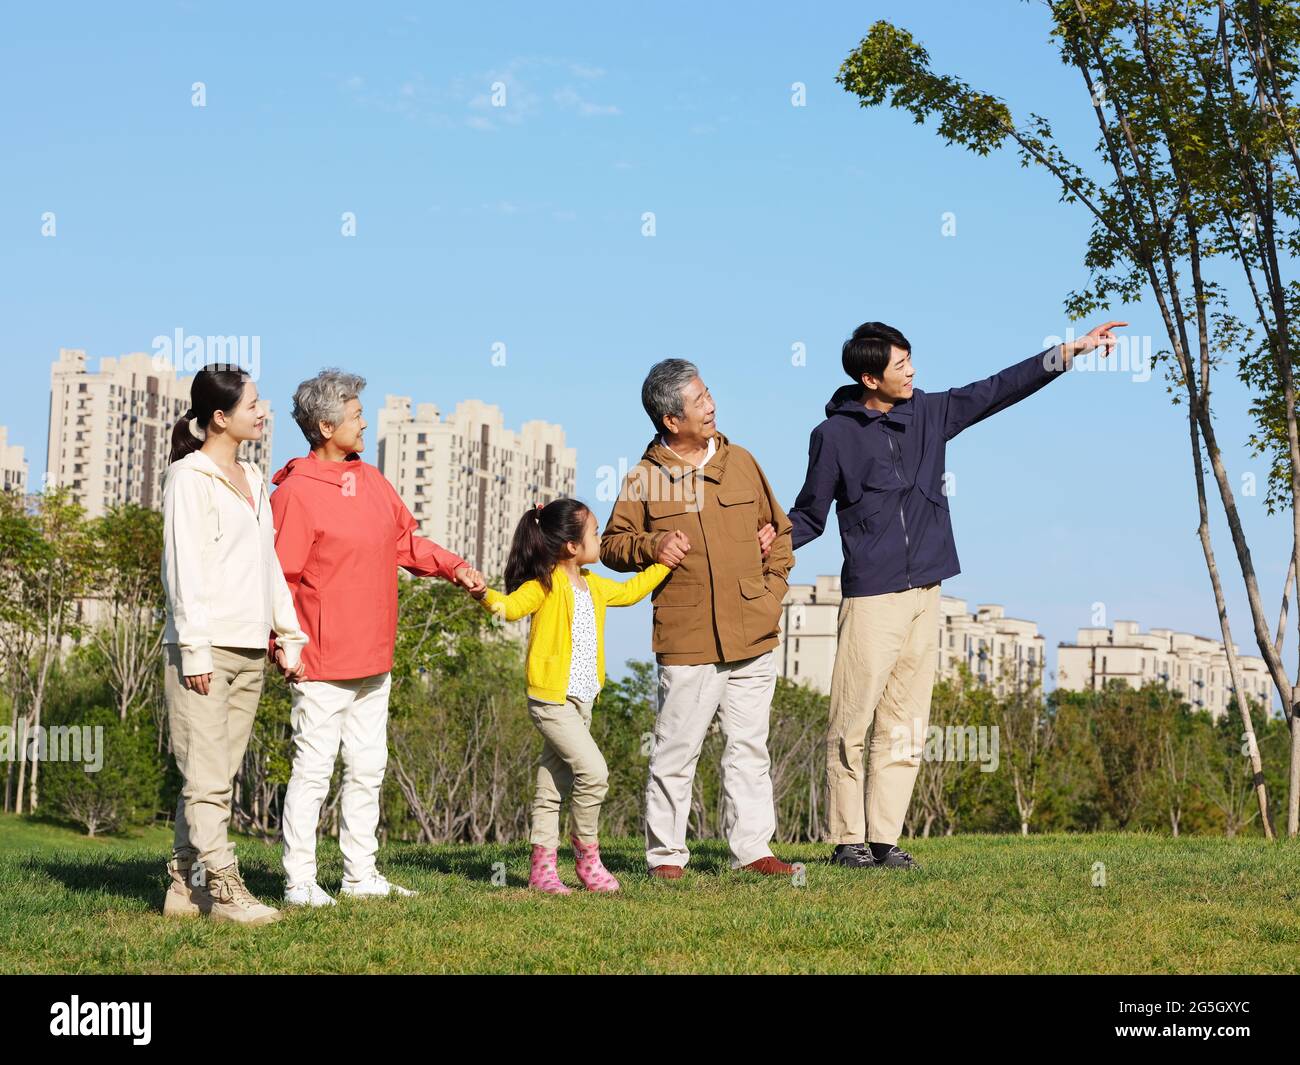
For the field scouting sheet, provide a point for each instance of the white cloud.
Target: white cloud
(471, 102)
(568, 97)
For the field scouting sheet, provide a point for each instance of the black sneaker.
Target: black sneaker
(896, 859)
(853, 856)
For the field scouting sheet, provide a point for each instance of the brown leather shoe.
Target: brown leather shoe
(667, 872)
(769, 866)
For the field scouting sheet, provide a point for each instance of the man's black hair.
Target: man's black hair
(867, 350)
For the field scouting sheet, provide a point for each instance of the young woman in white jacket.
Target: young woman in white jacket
(226, 596)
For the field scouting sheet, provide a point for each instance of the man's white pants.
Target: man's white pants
(689, 696)
(328, 714)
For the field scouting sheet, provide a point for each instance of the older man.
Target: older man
(701, 503)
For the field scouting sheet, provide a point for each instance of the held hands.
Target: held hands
(471, 580)
(673, 547)
(299, 672)
(1097, 337)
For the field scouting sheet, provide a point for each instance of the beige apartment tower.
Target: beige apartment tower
(13, 466)
(468, 479)
(1194, 667)
(1000, 652)
(110, 430)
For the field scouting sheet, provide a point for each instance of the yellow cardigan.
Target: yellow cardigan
(550, 637)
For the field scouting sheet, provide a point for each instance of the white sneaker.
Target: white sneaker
(309, 894)
(375, 886)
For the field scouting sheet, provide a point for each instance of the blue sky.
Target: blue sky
(775, 226)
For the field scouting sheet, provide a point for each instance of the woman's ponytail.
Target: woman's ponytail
(215, 388)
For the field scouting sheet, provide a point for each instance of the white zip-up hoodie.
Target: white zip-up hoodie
(224, 584)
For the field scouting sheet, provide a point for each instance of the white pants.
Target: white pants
(689, 696)
(327, 714)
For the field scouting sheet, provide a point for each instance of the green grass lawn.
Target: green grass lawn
(981, 904)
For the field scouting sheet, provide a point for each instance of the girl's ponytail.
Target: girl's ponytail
(539, 541)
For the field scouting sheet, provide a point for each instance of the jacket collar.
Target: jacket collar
(560, 579)
(201, 463)
(317, 469)
(847, 400)
(676, 469)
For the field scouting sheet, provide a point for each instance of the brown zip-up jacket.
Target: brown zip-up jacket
(723, 603)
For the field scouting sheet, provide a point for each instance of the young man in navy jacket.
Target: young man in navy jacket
(879, 456)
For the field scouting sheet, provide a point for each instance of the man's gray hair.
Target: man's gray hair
(661, 392)
(322, 399)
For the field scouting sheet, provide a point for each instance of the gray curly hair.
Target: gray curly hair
(322, 399)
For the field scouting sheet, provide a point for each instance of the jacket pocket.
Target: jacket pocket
(681, 620)
(934, 493)
(543, 671)
(669, 515)
(311, 618)
(863, 515)
(666, 509)
(739, 508)
(862, 522)
(760, 610)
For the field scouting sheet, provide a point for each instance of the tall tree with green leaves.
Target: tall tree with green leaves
(44, 572)
(130, 601)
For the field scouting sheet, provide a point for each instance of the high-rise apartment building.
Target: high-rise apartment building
(999, 651)
(110, 430)
(468, 479)
(1195, 667)
(13, 466)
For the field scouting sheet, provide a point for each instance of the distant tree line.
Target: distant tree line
(81, 620)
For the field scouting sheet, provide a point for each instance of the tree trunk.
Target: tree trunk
(22, 774)
(1294, 784)
(1207, 548)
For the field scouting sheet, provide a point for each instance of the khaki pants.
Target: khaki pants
(572, 767)
(209, 737)
(885, 662)
(740, 695)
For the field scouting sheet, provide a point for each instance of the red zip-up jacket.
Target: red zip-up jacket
(341, 531)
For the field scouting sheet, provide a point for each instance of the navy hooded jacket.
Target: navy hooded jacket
(884, 473)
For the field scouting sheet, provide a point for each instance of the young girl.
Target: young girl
(226, 594)
(566, 670)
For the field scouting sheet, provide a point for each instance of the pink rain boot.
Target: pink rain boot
(543, 876)
(592, 873)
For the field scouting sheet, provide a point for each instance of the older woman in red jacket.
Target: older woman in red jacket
(341, 532)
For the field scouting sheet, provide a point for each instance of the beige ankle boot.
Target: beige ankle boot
(232, 901)
(183, 898)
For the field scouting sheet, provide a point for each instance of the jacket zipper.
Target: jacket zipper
(907, 561)
(257, 517)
